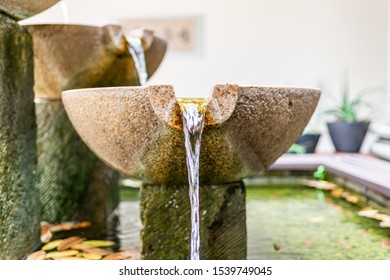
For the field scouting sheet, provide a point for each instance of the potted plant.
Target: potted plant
(349, 129)
(311, 135)
(309, 141)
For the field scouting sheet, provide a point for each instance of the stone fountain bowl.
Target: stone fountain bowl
(21, 9)
(68, 56)
(138, 130)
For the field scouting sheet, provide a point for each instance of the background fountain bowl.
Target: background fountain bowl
(138, 130)
(69, 56)
(21, 9)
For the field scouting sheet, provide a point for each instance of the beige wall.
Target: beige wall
(265, 42)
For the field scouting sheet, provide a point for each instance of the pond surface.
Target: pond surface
(288, 222)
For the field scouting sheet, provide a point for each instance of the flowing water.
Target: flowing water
(193, 111)
(137, 52)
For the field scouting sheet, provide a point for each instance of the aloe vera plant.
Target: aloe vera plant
(348, 109)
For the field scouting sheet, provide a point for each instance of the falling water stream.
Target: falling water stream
(193, 111)
(137, 52)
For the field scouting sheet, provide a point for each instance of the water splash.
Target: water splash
(65, 12)
(137, 52)
(193, 111)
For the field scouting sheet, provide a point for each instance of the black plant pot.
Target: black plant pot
(309, 141)
(348, 136)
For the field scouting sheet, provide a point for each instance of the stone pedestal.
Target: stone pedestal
(70, 176)
(19, 202)
(166, 219)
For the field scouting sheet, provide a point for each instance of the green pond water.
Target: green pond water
(289, 222)
(296, 222)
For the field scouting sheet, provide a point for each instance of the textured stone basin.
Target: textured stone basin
(80, 56)
(138, 130)
(21, 9)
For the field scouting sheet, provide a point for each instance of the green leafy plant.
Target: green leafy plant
(348, 108)
(320, 173)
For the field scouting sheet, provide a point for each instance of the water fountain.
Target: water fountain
(139, 131)
(136, 130)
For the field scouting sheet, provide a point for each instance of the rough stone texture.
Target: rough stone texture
(246, 130)
(166, 219)
(21, 9)
(19, 202)
(86, 56)
(65, 163)
(101, 197)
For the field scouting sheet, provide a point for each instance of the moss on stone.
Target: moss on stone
(65, 164)
(19, 203)
(166, 219)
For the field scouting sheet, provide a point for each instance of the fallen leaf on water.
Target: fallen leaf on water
(90, 249)
(337, 207)
(91, 256)
(278, 247)
(309, 242)
(52, 245)
(99, 243)
(69, 242)
(352, 199)
(367, 212)
(385, 244)
(337, 192)
(124, 255)
(38, 255)
(316, 220)
(113, 256)
(62, 254)
(69, 259)
(70, 225)
(46, 234)
(381, 217)
(322, 185)
(345, 244)
(46, 237)
(385, 224)
(363, 233)
(81, 247)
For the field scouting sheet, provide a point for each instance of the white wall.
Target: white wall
(265, 42)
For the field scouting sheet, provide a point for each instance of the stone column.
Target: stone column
(69, 174)
(19, 200)
(166, 219)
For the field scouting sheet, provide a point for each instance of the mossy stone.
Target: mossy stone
(19, 201)
(69, 174)
(166, 220)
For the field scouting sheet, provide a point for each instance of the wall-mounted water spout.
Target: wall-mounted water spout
(138, 130)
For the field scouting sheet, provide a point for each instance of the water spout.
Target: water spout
(193, 111)
(137, 52)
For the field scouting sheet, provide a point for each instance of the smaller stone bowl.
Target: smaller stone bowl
(70, 56)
